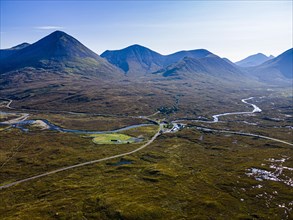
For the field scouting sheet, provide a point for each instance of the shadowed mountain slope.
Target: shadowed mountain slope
(7, 52)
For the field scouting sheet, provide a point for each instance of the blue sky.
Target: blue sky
(232, 29)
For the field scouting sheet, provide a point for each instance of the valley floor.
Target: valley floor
(197, 170)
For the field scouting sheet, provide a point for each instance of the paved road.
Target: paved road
(84, 164)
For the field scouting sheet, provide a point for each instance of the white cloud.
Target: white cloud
(49, 27)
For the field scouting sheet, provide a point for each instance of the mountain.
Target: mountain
(7, 52)
(279, 69)
(135, 59)
(254, 60)
(59, 52)
(195, 68)
(140, 60)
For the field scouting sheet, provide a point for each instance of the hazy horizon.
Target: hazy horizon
(233, 30)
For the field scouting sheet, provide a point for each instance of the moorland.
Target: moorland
(131, 134)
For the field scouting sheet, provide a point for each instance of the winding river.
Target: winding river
(255, 110)
(22, 122)
(53, 127)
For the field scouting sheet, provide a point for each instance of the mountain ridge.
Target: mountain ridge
(276, 70)
(9, 51)
(195, 68)
(60, 53)
(137, 59)
(253, 60)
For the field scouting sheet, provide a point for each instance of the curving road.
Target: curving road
(86, 163)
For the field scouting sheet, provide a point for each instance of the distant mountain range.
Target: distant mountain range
(58, 72)
(63, 54)
(254, 60)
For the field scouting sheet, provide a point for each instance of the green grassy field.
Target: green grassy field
(111, 139)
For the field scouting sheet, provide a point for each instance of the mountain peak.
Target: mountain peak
(253, 60)
(197, 68)
(136, 46)
(135, 59)
(59, 45)
(20, 46)
(10, 51)
(140, 49)
(57, 49)
(59, 34)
